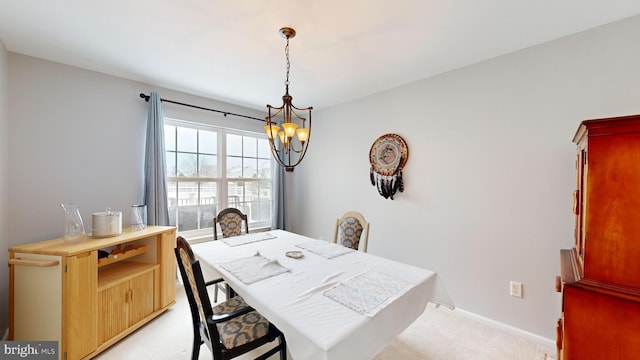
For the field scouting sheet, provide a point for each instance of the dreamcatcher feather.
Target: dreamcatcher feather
(387, 185)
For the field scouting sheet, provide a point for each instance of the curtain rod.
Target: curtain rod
(225, 113)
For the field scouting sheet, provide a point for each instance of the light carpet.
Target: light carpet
(438, 334)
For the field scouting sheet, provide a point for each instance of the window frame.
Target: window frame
(221, 180)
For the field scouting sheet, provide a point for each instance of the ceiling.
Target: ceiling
(344, 49)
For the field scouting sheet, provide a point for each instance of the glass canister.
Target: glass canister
(138, 217)
(73, 225)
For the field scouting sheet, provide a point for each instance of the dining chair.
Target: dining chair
(230, 221)
(229, 329)
(352, 231)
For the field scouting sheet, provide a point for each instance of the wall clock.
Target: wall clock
(388, 155)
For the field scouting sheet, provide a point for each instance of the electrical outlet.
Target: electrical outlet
(515, 289)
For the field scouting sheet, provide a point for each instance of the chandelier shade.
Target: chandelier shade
(288, 127)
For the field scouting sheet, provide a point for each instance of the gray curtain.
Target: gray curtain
(155, 178)
(279, 209)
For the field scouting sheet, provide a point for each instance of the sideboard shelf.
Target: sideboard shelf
(115, 274)
(122, 256)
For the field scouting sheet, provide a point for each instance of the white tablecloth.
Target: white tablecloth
(315, 326)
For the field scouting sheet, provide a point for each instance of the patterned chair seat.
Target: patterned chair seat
(242, 329)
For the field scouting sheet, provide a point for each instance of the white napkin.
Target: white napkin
(254, 268)
(324, 248)
(247, 238)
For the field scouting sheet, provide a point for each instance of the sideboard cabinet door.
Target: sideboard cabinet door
(123, 304)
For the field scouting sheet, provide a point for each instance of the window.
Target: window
(211, 168)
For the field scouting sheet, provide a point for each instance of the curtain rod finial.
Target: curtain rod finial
(145, 97)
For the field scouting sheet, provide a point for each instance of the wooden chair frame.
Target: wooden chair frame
(216, 220)
(206, 331)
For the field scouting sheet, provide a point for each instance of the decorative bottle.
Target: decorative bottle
(73, 225)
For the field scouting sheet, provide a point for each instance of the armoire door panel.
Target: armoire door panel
(599, 326)
(613, 213)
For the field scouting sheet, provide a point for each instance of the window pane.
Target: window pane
(209, 193)
(250, 169)
(208, 166)
(264, 169)
(187, 218)
(187, 194)
(172, 193)
(260, 211)
(234, 145)
(187, 165)
(250, 146)
(208, 203)
(171, 163)
(265, 189)
(234, 167)
(172, 199)
(169, 137)
(264, 151)
(187, 206)
(251, 191)
(208, 142)
(235, 191)
(187, 139)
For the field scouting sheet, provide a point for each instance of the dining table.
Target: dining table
(330, 301)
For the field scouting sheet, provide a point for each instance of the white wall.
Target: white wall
(78, 136)
(4, 188)
(490, 173)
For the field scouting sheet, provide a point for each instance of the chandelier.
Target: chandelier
(288, 132)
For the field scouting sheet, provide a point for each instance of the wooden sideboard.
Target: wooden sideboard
(600, 281)
(64, 292)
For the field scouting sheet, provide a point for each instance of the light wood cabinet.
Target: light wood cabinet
(63, 292)
(127, 300)
(600, 281)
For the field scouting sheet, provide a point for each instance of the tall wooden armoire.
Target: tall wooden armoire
(600, 281)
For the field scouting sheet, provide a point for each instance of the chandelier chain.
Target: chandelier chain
(286, 51)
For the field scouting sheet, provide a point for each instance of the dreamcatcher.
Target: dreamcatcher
(388, 155)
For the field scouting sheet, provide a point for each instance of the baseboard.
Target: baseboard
(548, 344)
